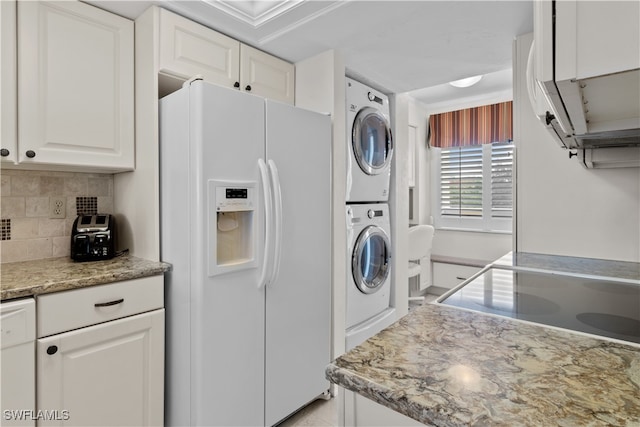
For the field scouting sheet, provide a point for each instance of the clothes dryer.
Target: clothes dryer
(369, 261)
(369, 144)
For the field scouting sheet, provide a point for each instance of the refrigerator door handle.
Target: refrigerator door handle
(268, 210)
(277, 201)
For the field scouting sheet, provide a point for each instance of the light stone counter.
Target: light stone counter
(576, 265)
(29, 278)
(445, 366)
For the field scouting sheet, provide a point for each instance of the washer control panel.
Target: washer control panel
(371, 213)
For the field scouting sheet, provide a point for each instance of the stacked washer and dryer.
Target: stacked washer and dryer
(369, 153)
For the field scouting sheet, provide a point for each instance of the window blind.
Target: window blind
(502, 180)
(461, 181)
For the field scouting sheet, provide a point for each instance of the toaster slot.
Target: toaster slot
(81, 244)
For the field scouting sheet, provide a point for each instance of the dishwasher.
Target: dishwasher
(17, 357)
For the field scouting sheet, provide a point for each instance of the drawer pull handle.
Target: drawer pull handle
(52, 349)
(461, 278)
(110, 303)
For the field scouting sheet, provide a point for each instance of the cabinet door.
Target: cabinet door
(17, 360)
(8, 82)
(188, 49)
(451, 275)
(107, 374)
(596, 38)
(76, 86)
(266, 75)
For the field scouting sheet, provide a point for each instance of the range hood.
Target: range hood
(585, 66)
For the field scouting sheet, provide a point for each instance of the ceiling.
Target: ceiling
(395, 46)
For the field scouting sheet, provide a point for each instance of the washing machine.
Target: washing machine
(369, 144)
(369, 262)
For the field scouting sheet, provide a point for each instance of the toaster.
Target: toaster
(93, 237)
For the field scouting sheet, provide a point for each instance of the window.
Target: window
(473, 167)
(474, 187)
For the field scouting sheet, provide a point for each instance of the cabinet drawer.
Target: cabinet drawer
(451, 275)
(64, 311)
(17, 322)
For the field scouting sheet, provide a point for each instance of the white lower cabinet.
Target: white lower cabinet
(101, 371)
(360, 411)
(449, 276)
(17, 357)
(107, 374)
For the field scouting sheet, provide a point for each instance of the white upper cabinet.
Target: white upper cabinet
(266, 75)
(76, 87)
(8, 81)
(596, 38)
(188, 49)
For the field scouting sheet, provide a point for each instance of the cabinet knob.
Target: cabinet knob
(236, 84)
(4, 152)
(31, 154)
(248, 88)
(52, 349)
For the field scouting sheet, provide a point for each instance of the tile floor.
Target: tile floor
(427, 299)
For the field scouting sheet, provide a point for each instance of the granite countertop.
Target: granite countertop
(574, 265)
(445, 366)
(29, 278)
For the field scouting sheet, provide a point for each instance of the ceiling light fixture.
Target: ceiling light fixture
(469, 81)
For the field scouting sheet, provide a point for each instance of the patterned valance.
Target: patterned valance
(472, 126)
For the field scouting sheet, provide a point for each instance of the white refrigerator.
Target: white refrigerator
(245, 222)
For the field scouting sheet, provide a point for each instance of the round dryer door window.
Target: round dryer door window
(370, 259)
(371, 140)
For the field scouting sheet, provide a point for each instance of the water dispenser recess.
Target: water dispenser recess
(232, 226)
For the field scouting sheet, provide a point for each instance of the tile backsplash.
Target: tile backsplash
(27, 231)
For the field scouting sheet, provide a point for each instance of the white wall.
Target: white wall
(320, 86)
(399, 203)
(563, 208)
(137, 193)
(419, 118)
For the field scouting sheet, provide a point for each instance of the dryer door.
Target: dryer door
(371, 141)
(371, 259)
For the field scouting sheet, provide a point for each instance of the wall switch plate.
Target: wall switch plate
(57, 207)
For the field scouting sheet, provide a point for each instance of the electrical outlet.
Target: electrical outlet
(57, 207)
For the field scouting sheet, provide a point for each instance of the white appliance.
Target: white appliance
(584, 78)
(245, 222)
(369, 144)
(17, 356)
(369, 261)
